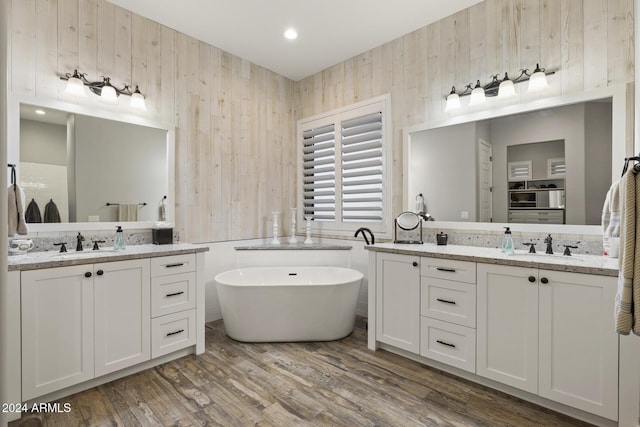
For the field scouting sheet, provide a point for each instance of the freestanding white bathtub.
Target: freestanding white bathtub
(286, 304)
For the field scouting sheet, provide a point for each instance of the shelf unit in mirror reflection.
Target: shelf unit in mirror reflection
(96, 156)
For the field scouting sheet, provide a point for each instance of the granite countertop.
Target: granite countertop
(295, 247)
(48, 259)
(578, 263)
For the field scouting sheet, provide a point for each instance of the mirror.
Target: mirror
(550, 164)
(87, 168)
(408, 220)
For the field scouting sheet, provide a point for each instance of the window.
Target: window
(519, 171)
(344, 179)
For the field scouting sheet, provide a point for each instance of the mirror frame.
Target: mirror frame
(622, 146)
(13, 156)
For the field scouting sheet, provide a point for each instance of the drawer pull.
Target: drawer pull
(445, 301)
(179, 264)
(174, 294)
(446, 343)
(174, 333)
(449, 270)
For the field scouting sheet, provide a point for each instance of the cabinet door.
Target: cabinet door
(398, 301)
(578, 344)
(507, 325)
(122, 315)
(57, 329)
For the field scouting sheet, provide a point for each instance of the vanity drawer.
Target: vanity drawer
(173, 293)
(547, 217)
(451, 344)
(174, 264)
(461, 271)
(449, 301)
(172, 332)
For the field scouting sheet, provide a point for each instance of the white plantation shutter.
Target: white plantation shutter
(319, 176)
(342, 162)
(361, 162)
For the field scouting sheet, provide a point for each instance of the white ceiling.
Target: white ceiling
(330, 31)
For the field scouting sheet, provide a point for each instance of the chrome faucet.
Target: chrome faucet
(80, 238)
(364, 230)
(549, 241)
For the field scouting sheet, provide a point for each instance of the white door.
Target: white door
(578, 344)
(398, 301)
(507, 325)
(485, 181)
(57, 329)
(122, 315)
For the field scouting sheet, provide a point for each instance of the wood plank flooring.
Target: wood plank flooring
(338, 383)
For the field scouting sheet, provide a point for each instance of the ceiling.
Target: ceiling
(330, 31)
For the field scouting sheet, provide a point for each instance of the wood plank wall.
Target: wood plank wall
(590, 42)
(234, 120)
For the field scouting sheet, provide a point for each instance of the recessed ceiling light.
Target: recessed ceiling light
(41, 112)
(291, 34)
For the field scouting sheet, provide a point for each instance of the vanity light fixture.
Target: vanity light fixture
(502, 88)
(103, 88)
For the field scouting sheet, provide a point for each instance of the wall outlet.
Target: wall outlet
(94, 218)
(464, 215)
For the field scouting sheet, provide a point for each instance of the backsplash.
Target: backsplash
(135, 237)
(587, 244)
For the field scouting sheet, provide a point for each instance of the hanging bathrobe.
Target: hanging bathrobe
(51, 213)
(32, 214)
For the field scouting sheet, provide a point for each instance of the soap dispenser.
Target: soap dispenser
(118, 240)
(507, 242)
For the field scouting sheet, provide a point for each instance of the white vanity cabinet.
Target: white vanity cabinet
(81, 322)
(448, 312)
(550, 333)
(398, 301)
(57, 329)
(121, 318)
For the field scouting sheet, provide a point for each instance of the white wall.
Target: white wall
(597, 121)
(43, 142)
(435, 178)
(222, 257)
(110, 156)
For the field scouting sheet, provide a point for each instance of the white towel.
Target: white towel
(611, 211)
(128, 212)
(16, 222)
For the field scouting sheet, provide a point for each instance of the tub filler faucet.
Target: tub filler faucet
(363, 231)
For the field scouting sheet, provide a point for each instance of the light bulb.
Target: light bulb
(537, 81)
(477, 95)
(506, 89)
(137, 100)
(453, 101)
(108, 93)
(75, 86)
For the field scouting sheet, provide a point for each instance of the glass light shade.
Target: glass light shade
(477, 96)
(75, 87)
(506, 89)
(109, 95)
(453, 102)
(137, 101)
(537, 82)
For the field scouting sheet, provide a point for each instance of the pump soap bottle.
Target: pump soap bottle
(507, 242)
(118, 240)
